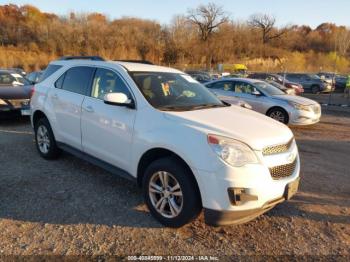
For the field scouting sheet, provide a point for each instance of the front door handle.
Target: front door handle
(54, 96)
(89, 109)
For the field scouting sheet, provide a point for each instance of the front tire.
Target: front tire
(279, 114)
(171, 193)
(45, 140)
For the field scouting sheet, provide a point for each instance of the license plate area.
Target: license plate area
(25, 112)
(291, 189)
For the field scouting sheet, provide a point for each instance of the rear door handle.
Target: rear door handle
(54, 96)
(89, 109)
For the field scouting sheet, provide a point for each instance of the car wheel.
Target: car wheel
(279, 114)
(171, 193)
(45, 140)
(315, 89)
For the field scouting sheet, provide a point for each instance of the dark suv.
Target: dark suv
(311, 83)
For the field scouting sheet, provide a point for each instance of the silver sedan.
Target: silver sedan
(268, 100)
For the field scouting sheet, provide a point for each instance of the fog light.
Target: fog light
(239, 196)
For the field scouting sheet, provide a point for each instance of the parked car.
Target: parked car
(298, 89)
(288, 91)
(34, 77)
(15, 92)
(200, 76)
(338, 81)
(158, 126)
(17, 70)
(310, 82)
(268, 100)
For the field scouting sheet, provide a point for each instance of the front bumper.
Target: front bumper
(301, 117)
(222, 218)
(261, 190)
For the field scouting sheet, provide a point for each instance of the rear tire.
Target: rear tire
(175, 202)
(279, 115)
(45, 140)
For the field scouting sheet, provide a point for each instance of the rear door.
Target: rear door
(66, 100)
(107, 130)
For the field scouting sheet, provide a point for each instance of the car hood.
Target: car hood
(254, 129)
(296, 99)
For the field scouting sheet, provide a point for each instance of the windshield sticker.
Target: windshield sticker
(189, 79)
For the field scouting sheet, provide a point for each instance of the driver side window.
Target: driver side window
(106, 81)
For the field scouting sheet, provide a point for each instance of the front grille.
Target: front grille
(278, 172)
(277, 149)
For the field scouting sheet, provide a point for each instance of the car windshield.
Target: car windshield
(269, 89)
(174, 91)
(20, 79)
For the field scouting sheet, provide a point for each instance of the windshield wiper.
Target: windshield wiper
(202, 106)
(189, 107)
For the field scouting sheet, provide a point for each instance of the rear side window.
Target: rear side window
(49, 71)
(76, 80)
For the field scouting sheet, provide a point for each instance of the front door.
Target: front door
(107, 130)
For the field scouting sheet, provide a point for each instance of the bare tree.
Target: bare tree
(266, 24)
(207, 18)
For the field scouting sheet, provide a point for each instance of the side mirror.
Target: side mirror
(256, 93)
(118, 99)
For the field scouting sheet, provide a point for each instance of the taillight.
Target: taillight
(32, 90)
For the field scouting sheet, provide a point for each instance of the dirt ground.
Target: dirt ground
(69, 207)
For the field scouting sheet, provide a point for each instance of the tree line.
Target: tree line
(201, 38)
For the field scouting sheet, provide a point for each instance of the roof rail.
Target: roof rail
(94, 58)
(136, 61)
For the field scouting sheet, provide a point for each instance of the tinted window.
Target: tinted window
(106, 81)
(49, 71)
(77, 79)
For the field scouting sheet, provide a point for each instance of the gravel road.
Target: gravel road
(69, 207)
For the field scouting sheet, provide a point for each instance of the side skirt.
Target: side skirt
(97, 162)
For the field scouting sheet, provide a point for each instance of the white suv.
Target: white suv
(186, 149)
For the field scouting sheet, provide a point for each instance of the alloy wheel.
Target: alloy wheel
(278, 115)
(165, 194)
(43, 140)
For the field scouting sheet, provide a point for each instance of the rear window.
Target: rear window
(49, 71)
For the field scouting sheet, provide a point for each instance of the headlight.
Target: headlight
(299, 106)
(233, 152)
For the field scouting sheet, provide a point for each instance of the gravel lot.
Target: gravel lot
(69, 207)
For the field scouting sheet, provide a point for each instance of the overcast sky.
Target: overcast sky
(310, 12)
